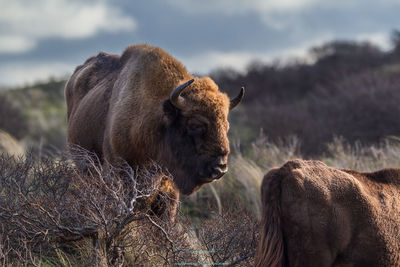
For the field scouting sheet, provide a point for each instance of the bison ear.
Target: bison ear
(170, 111)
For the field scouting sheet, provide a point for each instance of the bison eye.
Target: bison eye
(197, 128)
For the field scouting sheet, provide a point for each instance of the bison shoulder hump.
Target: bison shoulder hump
(95, 68)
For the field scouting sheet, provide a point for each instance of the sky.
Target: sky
(49, 38)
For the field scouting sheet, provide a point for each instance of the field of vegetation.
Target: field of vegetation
(341, 109)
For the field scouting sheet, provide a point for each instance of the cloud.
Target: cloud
(277, 15)
(25, 22)
(234, 7)
(378, 38)
(15, 44)
(22, 73)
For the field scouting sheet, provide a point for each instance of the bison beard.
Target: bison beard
(143, 106)
(315, 215)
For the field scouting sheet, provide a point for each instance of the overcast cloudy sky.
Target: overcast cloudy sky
(42, 38)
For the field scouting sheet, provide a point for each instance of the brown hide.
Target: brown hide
(315, 215)
(118, 107)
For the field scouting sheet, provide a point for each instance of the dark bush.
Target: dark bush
(351, 90)
(364, 107)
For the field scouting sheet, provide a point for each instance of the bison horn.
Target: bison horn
(175, 96)
(235, 101)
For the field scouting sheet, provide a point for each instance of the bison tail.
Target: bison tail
(270, 251)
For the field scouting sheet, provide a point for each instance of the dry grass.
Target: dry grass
(9, 145)
(364, 158)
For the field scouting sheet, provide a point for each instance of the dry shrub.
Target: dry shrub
(230, 238)
(52, 213)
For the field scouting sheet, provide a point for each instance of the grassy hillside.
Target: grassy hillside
(43, 111)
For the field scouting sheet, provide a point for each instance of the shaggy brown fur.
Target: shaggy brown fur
(119, 108)
(315, 215)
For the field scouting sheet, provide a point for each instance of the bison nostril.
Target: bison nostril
(217, 167)
(220, 163)
(218, 170)
(222, 166)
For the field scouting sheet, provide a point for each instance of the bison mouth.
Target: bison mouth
(190, 177)
(216, 175)
(211, 174)
(190, 184)
(218, 172)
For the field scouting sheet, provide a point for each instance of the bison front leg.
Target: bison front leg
(165, 202)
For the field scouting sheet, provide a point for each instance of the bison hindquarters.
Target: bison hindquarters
(315, 215)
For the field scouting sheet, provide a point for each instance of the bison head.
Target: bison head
(195, 133)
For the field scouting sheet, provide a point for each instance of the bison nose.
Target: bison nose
(219, 167)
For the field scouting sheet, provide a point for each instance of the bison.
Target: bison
(144, 107)
(315, 215)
